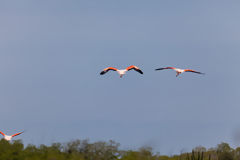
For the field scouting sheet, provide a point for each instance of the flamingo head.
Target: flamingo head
(178, 73)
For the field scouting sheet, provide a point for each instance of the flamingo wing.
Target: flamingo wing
(135, 68)
(108, 69)
(2, 133)
(17, 134)
(190, 70)
(164, 68)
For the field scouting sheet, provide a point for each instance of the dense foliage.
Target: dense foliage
(84, 150)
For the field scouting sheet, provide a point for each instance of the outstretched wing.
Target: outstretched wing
(108, 69)
(164, 68)
(2, 133)
(190, 70)
(17, 134)
(135, 68)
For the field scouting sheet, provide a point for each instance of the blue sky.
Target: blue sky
(52, 53)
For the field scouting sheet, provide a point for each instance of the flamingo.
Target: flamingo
(121, 72)
(179, 71)
(9, 138)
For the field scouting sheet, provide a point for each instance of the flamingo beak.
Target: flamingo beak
(121, 76)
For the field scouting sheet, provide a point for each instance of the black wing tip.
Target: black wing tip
(199, 73)
(20, 132)
(139, 71)
(102, 73)
(159, 69)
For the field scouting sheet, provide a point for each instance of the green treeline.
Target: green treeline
(84, 150)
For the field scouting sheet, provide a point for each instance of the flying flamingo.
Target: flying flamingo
(121, 72)
(179, 71)
(9, 138)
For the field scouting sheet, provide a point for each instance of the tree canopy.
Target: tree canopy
(84, 150)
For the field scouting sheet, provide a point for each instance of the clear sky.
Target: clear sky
(51, 53)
